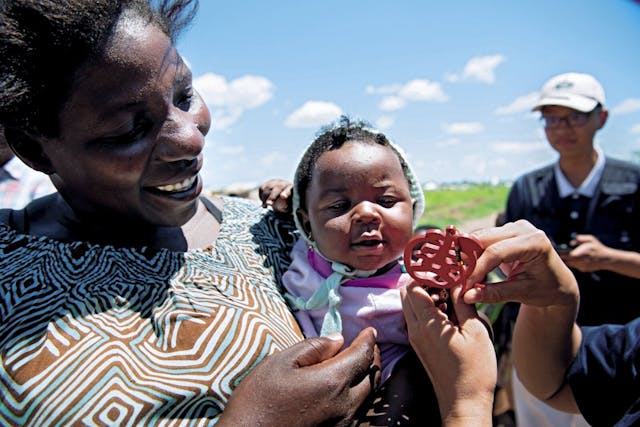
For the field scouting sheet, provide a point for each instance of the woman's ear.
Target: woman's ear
(303, 220)
(29, 149)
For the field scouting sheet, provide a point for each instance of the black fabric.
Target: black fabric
(213, 209)
(611, 216)
(605, 375)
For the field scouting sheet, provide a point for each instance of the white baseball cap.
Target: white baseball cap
(579, 91)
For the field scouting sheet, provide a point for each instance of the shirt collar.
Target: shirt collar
(16, 168)
(588, 186)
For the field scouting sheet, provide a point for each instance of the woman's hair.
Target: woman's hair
(332, 138)
(43, 43)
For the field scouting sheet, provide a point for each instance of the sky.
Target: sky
(451, 82)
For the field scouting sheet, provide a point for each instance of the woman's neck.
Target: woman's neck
(59, 221)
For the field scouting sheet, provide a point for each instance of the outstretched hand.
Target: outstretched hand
(277, 194)
(308, 384)
(457, 354)
(535, 274)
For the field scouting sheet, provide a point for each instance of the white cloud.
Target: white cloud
(273, 159)
(313, 114)
(479, 68)
(635, 128)
(385, 122)
(224, 118)
(629, 105)
(482, 68)
(463, 128)
(520, 104)
(383, 90)
(448, 142)
(451, 77)
(516, 147)
(397, 96)
(230, 99)
(392, 103)
(422, 90)
(230, 150)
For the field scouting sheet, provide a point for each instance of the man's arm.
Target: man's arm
(590, 254)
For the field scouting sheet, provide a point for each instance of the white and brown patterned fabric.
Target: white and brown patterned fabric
(97, 335)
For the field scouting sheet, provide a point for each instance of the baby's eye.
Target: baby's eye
(340, 206)
(387, 202)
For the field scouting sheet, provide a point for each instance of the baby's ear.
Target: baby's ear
(303, 220)
(29, 149)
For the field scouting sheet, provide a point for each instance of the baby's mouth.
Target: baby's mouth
(370, 243)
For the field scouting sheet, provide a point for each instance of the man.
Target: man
(19, 184)
(587, 205)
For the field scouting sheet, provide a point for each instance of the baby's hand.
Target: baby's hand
(277, 194)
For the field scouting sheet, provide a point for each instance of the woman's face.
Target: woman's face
(132, 133)
(360, 210)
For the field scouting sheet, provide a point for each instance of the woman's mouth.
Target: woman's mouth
(178, 186)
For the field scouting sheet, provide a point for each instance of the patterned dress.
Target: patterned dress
(97, 335)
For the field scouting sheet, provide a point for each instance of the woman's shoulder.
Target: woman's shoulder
(35, 211)
(271, 235)
(239, 212)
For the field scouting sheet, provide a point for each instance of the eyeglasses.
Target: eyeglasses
(573, 120)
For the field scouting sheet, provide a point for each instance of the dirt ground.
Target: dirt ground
(474, 224)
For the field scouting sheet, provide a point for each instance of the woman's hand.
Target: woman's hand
(311, 383)
(458, 355)
(277, 194)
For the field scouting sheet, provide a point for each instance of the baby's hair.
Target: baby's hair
(44, 43)
(333, 137)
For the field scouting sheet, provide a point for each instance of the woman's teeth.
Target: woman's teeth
(182, 185)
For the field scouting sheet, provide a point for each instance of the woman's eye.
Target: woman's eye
(139, 130)
(185, 100)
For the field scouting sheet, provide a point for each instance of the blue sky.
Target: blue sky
(450, 82)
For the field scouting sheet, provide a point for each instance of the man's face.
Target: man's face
(573, 140)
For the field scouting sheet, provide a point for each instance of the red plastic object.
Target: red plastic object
(441, 259)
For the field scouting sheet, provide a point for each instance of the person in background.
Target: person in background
(19, 184)
(587, 203)
(127, 297)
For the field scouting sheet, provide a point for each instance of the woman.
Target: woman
(126, 296)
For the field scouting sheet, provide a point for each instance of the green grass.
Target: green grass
(463, 203)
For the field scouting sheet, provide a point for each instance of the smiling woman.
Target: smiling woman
(127, 296)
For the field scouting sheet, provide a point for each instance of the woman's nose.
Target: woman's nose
(181, 137)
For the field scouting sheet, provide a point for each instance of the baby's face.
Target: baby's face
(360, 210)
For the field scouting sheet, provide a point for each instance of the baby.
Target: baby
(355, 202)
